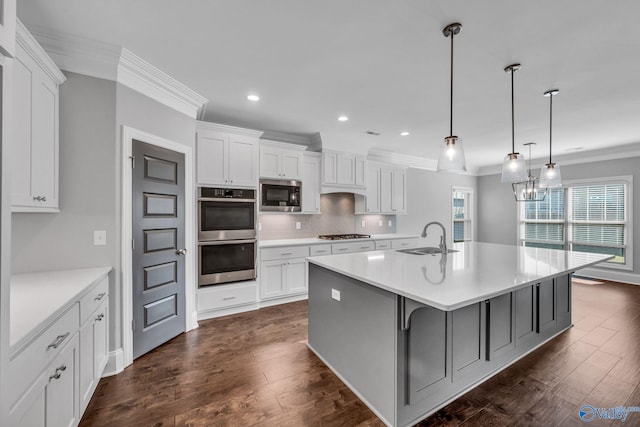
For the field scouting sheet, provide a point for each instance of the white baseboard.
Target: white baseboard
(278, 301)
(193, 321)
(115, 364)
(614, 275)
(210, 314)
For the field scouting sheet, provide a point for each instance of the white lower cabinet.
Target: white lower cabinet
(52, 400)
(93, 352)
(283, 271)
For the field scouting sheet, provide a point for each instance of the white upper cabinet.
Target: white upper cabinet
(343, 169)
(386, 190)
(311, 183)
(34, 148)
(7, 27)
(280, 160)
(226, 156)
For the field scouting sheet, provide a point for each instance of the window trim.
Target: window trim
(627, 180)
(468, 219)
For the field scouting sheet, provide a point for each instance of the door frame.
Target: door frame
(128, 135)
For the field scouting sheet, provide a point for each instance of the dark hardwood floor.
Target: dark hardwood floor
(255, 369)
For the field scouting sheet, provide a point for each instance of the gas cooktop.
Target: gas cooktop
(343, 236)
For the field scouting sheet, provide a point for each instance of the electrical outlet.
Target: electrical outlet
(335, 294)
(363, 223)
(298, 225)
(390, 223)
(99, 237)
(380, 223)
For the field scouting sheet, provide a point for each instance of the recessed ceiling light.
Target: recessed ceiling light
(253, 98)
(343, 118)
(405, 133)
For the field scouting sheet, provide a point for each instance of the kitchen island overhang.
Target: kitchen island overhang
(409, 333)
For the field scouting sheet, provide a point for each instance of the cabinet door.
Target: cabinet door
(311, 185)
(61, 398)
(243, 161)
(398, 191)
(468, 341)
(500, 333)
(297, 276)
(346, 169)
(563, 298)
(100, 340)
(8, 27)
(361, 171)
(372, 201)
(546, 305)
(21, 121)
(272, 279)
(270, 163)
(386, 184)
(329, 168)
(86, 364)
(212, 159)
(44, 141)
(525, 318)
(291, 165)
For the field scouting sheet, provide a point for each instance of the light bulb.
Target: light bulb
(513, 165)
(451, 152)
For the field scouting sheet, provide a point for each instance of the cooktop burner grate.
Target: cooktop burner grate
(343, 236)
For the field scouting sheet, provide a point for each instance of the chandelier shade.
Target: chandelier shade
(550, 175)
(513, 167)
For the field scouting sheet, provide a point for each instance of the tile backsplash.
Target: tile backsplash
(336, 217)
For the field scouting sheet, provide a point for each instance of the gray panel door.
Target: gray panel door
(500, 336)
(546, 305)
(158, 234)
(525, 314)
(467, 340)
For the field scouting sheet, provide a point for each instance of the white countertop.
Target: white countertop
(316, 241)
(478, 272)
(37, 298)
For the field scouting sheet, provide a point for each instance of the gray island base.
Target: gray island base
(406, 359)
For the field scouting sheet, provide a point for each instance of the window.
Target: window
(584, 216)
(461, 206)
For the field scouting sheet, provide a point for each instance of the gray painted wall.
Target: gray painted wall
(497, 207)
(429, 199)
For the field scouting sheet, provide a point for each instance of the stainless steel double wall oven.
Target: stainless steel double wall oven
(226, 235)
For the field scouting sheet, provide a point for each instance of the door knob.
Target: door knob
(181, 251)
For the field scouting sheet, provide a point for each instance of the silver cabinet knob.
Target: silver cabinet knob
(181, 252)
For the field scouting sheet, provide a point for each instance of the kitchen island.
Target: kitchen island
(408, 333)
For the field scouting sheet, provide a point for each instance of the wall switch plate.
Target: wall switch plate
(298, 225)
(390, 223)
(335, 294)
(363, 223)
(380, 223)
(99, 237)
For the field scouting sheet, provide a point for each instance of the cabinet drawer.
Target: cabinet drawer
(346, 248)
(285, 252)
(217, 298)
(317, 250)
(30, 362)
(383, 244)
(404, 243)
(90, 302)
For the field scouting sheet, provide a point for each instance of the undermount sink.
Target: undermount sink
(425, 251)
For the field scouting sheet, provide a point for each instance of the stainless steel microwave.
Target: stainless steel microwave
(280, 195)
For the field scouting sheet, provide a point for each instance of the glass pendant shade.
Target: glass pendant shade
(514, 168)
(550, 176)
(452, 156)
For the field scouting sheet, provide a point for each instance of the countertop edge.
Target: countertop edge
(303, 241)
(23, 342)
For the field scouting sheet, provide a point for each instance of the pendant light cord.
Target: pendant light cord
(451, 90)
(513, 135)
(550, 123)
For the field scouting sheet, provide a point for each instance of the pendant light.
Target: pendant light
(513, 167)
(550, 175)
(452, 154)
(529, 190)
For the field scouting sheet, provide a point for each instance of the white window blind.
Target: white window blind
(461, 214)
(543, 223)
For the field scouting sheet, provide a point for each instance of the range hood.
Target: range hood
(330, 189)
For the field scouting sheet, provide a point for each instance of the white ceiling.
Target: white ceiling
(385, 64)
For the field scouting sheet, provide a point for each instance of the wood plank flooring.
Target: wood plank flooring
(255, 369)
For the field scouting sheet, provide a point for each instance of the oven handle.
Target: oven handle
(225, 242)
(224, 199)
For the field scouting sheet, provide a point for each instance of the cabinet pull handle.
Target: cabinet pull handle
(228, 298)
(100, 317)
(100, 296)
(285, 253)
(58, 372)
(364, 247)
(342, 249)
(59, 339)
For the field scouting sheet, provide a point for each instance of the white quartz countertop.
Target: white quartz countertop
(316, 241)
(37, 298)
(448, 282)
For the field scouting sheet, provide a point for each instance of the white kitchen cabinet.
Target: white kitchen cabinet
(351, 247)
(343, 169)
(280, 160)
(226, 156)
(399, 191)
(386, 191)
(93, 351)
(311, 183)
(283, 271)
(7, 27)
(34, 148)
(411, 242)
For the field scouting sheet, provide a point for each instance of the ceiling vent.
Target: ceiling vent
(370, 132)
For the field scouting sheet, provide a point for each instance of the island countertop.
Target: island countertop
(477, 272)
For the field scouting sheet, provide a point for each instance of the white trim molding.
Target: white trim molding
(106, 61)
(27, 42)
(228, 129)
(115, 363)
(610, 274)
(128, 135)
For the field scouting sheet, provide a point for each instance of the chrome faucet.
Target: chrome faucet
(443, 237)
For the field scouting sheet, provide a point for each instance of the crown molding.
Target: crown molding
(215, 127)
(290, 138)
(282, 145)
(26, 41)
(383, 156)
(590, 156)
(106, 61)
